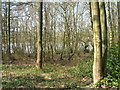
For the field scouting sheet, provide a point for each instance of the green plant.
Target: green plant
(112, 79)
(108, 82)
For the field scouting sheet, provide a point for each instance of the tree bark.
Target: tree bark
(0, 44)
(104, 35)
(111, 35)
(97, 65)
(91, 15)
(0, 37)
(118, 5)
(9, 49)
(39, 38)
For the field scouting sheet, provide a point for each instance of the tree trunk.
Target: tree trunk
(104, 35)
(63, 47)
(9, 49)
(0, 37)
(39, 38)
(97, 65)
(113, 23)
(91, 15)
(111, 35)
(118, 5)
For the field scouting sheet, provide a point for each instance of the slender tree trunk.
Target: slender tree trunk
(63, 47)
(6, 32)
(97, 65)
(0, 44)
(0, 38)
(9, 52)
(118, 5)
(16, 40)
(104, 35)
(67, 37)
(91, 15)
(74, 36)
(13, 38)
(45, 29)
(113, 23)
(54, 36)
(110, 25)
(39, 47)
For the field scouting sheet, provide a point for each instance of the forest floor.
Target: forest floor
(53, 75)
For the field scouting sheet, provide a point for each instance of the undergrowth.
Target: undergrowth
(59, 76)
(51, 76)
(112, 80)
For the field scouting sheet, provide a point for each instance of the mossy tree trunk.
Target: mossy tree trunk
(39, 37)
(97, 65)
(104, 35)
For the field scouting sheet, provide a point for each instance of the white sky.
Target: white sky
(56, 0)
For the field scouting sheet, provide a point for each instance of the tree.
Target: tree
(104, 34)
(39, 37)
(118, 5)
(0, 43)
(97, 65)
(9, 28)
(91, 15)
(111, 20)
(0, 34)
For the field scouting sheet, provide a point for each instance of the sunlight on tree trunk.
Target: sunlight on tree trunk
(39, 42)
(97, 65)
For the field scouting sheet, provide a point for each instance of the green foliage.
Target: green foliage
(7, 67)
(83, 69)
(112, 79)
(56, 76)
(72, 85)
(82, 73)
(113, 51)
(108, 82)
(113, 65)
